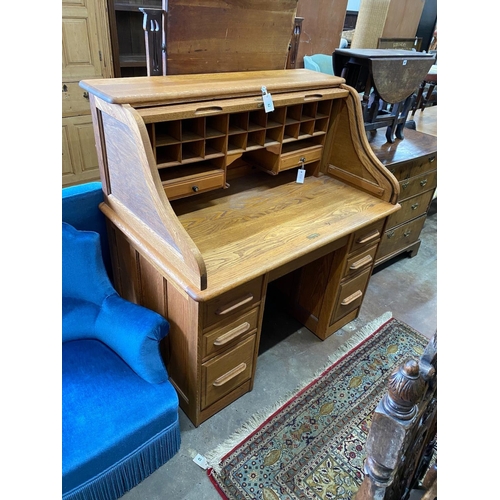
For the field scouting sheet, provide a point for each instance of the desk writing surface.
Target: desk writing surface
(247, 231)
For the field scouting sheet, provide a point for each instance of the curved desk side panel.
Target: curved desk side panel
(129, 161)
(349, 155)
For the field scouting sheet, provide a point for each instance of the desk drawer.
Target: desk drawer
(417, 185)
(410, 209)
(367, 236)
(350, 296)
(232, 303)
(294, 159)
(400, 237)
(226, 372)
(230, 333)
(193, 184)
(361, 261)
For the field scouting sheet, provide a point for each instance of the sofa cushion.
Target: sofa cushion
(103, 426)
(80, 208)
(83, 274)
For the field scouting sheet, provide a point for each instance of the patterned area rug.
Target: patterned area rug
(313, 446)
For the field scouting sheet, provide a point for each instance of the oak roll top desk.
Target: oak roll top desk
(204, 211)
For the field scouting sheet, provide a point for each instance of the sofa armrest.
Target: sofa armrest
(134, 333)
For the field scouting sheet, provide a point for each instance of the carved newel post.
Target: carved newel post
(390, 429)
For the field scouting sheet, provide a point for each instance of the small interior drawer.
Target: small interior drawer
(350, 296)
(230, 333)
(232, 303)
(367, 236)
(361, 261)
(224, 373)
(299, 157)
(193, 184)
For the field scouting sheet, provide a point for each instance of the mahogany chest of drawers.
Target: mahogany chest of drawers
(413, 161)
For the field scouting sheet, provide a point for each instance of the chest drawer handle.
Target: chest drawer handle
(423, 182)
(351, 298)
(390, 234)
(407, 233)
(232, 334)
(405, 184)
(369, 237)
(414, 206)
(224, 379)
(432, 158)
(234, 305)
(360, 263)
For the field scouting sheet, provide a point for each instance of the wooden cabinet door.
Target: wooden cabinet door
(86, 53)
(79, 155)
(85, 40)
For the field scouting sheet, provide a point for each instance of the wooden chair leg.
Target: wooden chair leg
(428, 95)
(418, 98)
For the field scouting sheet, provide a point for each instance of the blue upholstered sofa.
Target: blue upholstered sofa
(120, 412)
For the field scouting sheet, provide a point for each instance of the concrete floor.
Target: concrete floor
(292, 355)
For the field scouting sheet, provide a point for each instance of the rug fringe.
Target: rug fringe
(359, 337)
(215, 456)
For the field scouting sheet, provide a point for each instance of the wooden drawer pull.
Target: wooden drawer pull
(352, 298)
(369, 237)
(234, 305)
(360, 263)
(232, 334)
(208, 109)
(224, 379)
(313, 96)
